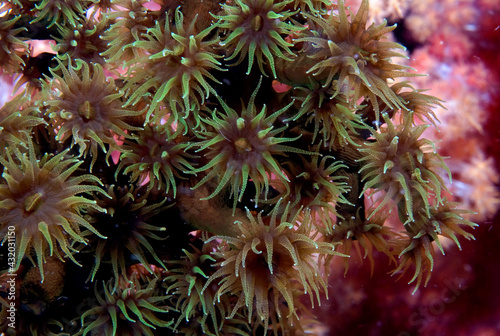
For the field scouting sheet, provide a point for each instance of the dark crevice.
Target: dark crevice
(404, 36)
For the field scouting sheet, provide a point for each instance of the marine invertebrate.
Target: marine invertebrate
(315, 185)
(176, 65)
(418, 105)
(362, 234)
(442, 220)
(158, 154)
(32, 75)
(355, 57)
(12, 48)
(40, 301)
(319, 6)
(234, 326)
(127, 229)
(86, 107)
(129, 310)
(44, 203)
(128, 25)
(255, 29)
(290, 181)
(260, 265)
(241, 146)
(399, 160)
(61, 11)
(185, 285)
(330, 113)
(83, 40)
(16, 121)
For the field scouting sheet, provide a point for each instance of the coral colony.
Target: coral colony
(194, 167)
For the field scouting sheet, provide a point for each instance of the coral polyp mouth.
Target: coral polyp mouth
(243, 145)
(33, 202)
(44, 203)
